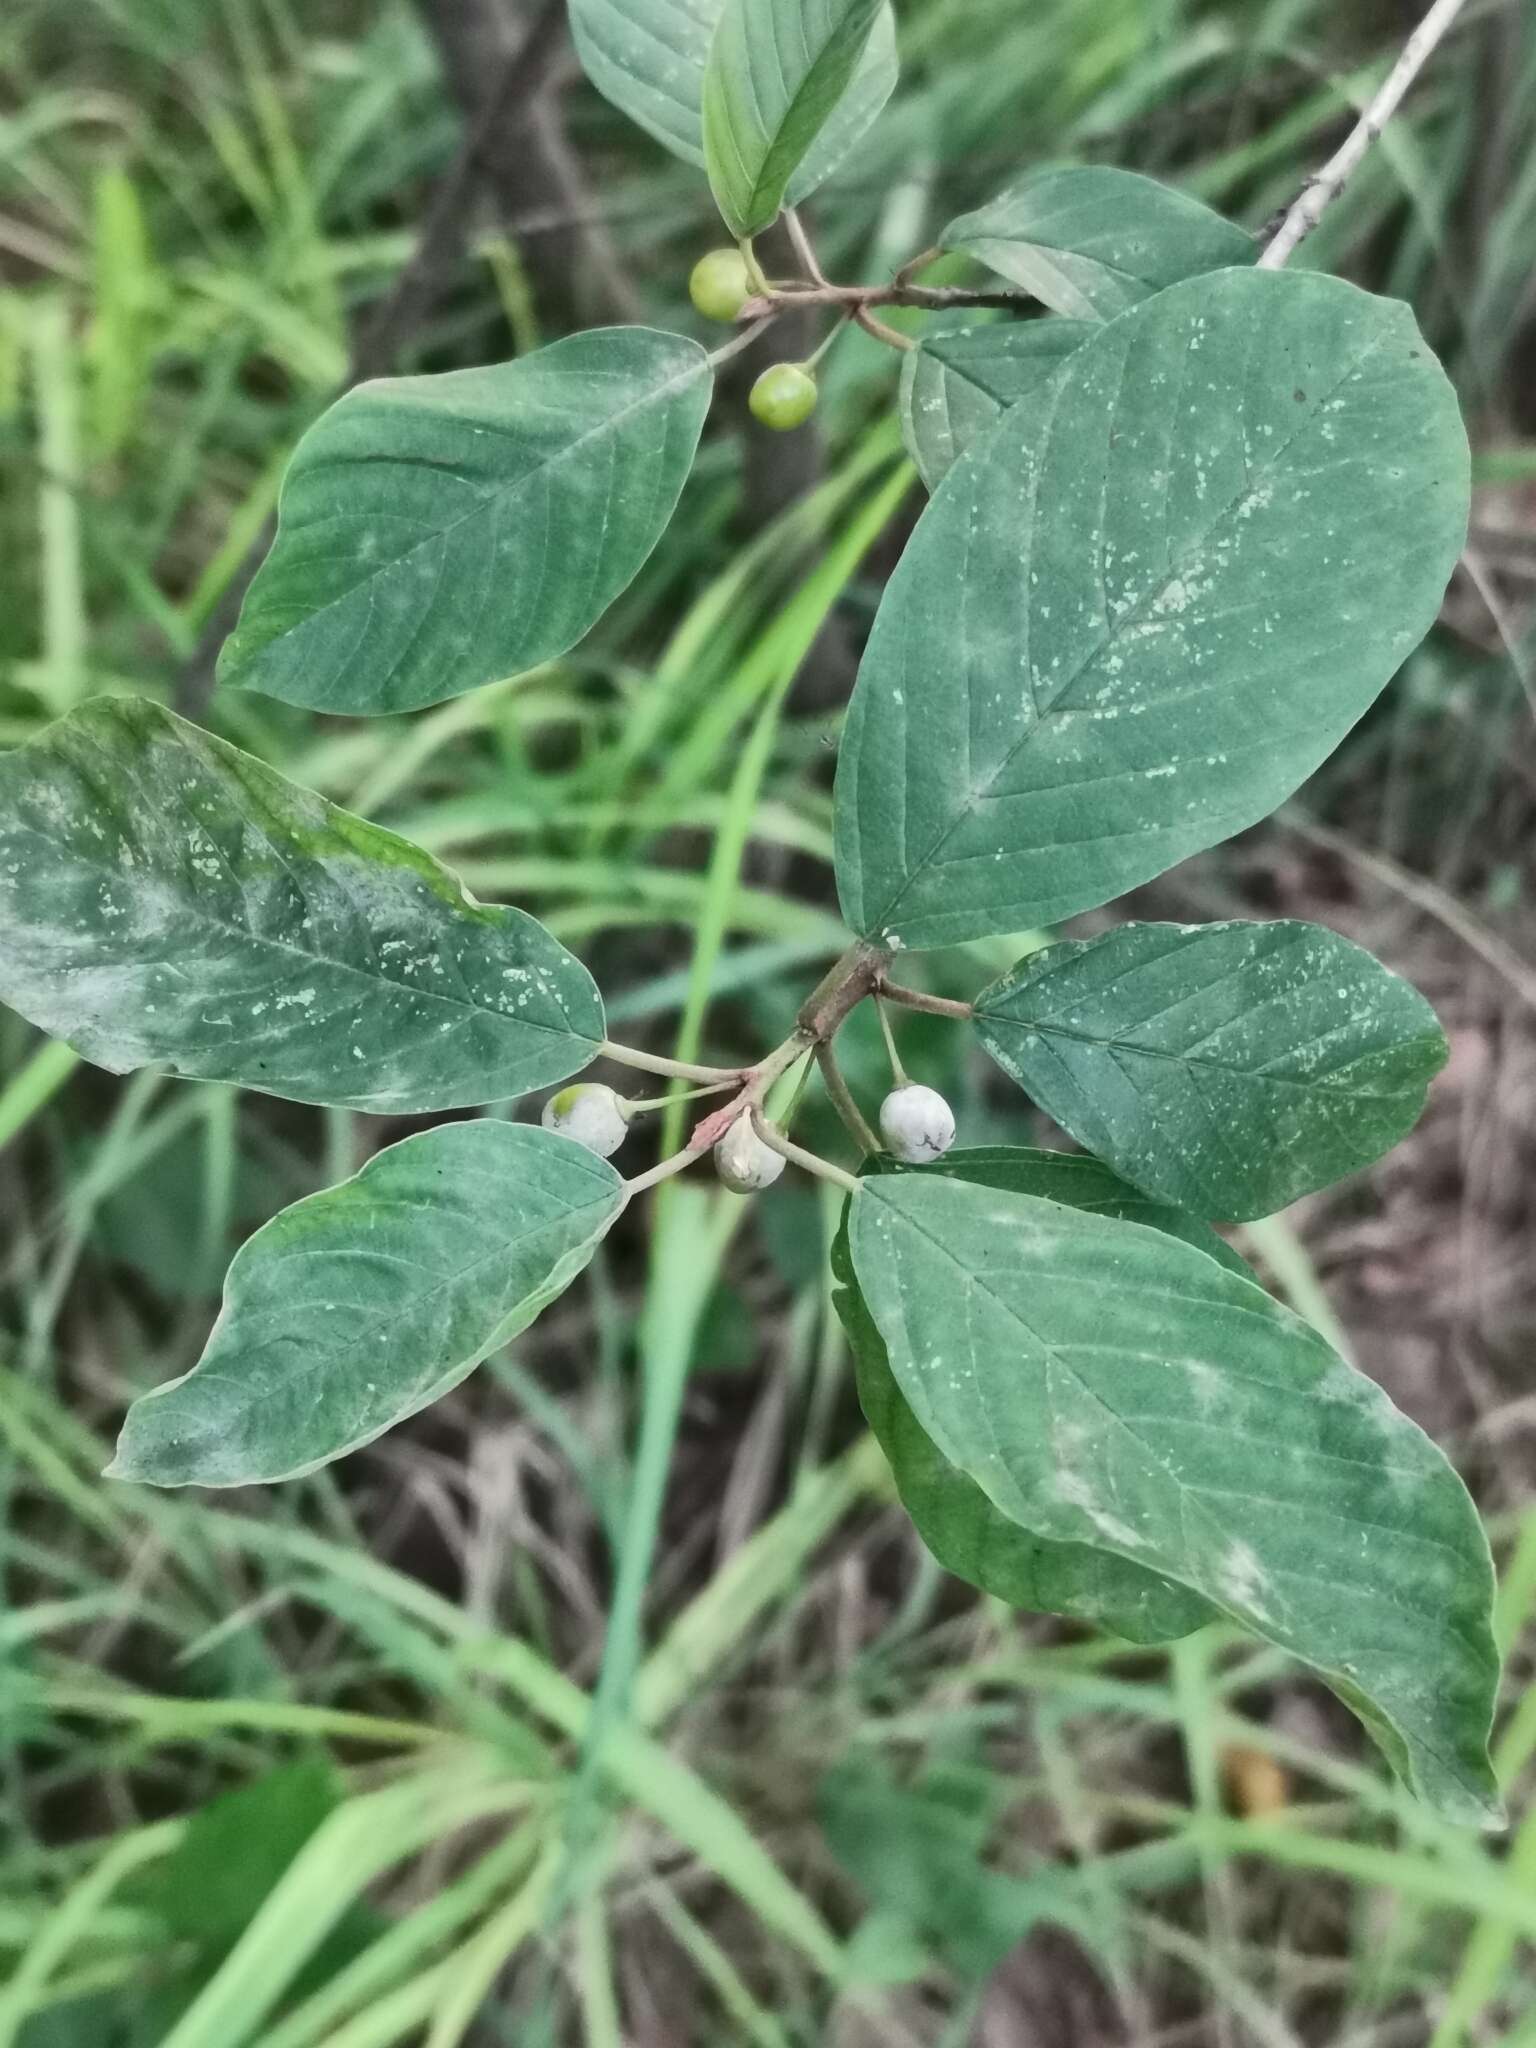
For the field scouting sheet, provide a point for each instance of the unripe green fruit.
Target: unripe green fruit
(917, 1124)
(784, 397)
(744, 1163)
(591, 1114)
(719, 286)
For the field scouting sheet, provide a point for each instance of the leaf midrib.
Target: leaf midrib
(1185, 1493)
(776, 150)
(964, 373)
(1152, 1052)
(1033, 239)
(1053, 249)
(447, 1283)
(317, 960)
(587, 1242)
(490, 500)
(1124, 620)
(760, 184)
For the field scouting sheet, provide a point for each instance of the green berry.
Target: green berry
(784, 397)
(719, 286)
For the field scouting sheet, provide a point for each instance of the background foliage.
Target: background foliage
(858, 1805)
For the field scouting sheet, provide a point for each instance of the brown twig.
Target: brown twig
(881, 331)
(858, 298)
(858, 974)
(840, 1095)
(1325, 187)
(754, 1092)
(914, 264)
(919, 999)
(849, 980)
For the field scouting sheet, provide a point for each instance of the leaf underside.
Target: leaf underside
(1091, 241)
(958, 381)
(953, 1516)
(648, 58)
(363, 1304)
(776, 74)
(1134, 618)
(1105, 1384)
(166, 900)
(1228, 1068)
(436, 533)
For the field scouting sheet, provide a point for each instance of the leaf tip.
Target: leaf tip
(168, 1450)
(1492, 1816)
(1473, 1801)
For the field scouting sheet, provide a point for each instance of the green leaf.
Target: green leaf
(1132, 620)
(166, 900)
(958, 380)
(1106, 1384)
(1092, 242)
(777, 70)
(1076, 1182)
(918, 1852)
(155, 1219)
(369, 1301)
(1229, 1068)
(104, 2018)
(950, 1512)
(436, 533)
(234, 1851)
(648, 57)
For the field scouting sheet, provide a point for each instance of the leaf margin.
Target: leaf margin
(1458, 1786)
(1161, 1159)
(119, 727)
(1135, 1612)
(129, 1461)
(275, 659)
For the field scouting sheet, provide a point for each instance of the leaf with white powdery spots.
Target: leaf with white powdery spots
(1228, 1068)
(1105, 1384)
(1134, 618)
(363, 1304)
(436, 533)
(166, 900)
(648, 57)
(1091, 241)
(958, 381)
(777, 71)
(950, 1512)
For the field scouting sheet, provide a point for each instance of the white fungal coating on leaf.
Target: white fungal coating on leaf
(917, 1124)
(744, 1163)
(591, 1114)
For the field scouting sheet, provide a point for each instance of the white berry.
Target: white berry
(591, 1114)
(917, 1123)
(744, 1163)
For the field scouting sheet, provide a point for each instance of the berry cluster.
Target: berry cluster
(784, 396)
(917, 1124)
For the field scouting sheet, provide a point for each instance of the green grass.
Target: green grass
(595, 1655)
